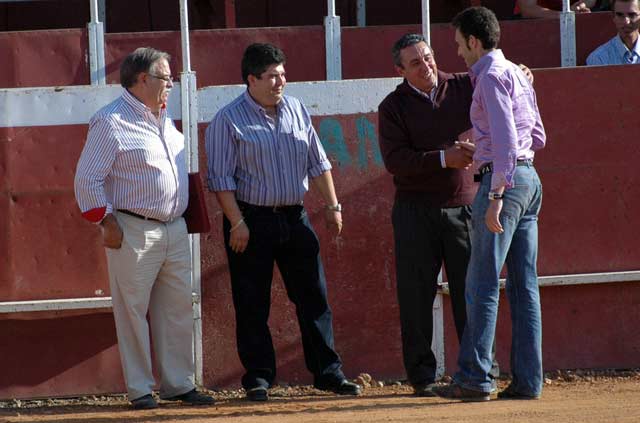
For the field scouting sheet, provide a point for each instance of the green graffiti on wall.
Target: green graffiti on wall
(332, 136)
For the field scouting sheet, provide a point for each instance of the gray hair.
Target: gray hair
(405, 41)
(141, 60)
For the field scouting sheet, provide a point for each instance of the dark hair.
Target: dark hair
(141, 60)
(407, 40)
(481, 23)
(258, 57)
(612, 3)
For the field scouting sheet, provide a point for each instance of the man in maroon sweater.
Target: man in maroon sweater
(420, 126)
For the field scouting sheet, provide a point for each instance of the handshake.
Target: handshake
(460, 155)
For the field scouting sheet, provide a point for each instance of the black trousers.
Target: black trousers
(426, 236)
(283, 236)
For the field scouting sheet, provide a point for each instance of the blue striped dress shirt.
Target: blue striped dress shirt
(133, 160)
(267, 161)
(614, 52)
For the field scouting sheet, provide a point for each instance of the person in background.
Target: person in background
(549, 8)
(623, 49)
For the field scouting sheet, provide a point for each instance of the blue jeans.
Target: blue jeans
(518, 247)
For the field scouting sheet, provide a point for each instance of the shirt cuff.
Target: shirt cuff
(319, 169)
(97, 215)
(225, 183)
(499, 180)
(443, 163)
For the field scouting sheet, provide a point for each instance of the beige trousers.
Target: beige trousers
(150, 272)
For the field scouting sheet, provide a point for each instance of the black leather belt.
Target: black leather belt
(139, 216)
(488, 168)
(270, 209)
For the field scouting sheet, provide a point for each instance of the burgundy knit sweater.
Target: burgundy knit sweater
(413, 130)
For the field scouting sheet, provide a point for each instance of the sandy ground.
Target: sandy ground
(566, 399)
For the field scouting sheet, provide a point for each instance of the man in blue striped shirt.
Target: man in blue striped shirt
(132, 180)
(624, 48)
(261, 152)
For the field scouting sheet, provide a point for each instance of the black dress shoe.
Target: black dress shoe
(145, 402)
(510, 393)
(424, 389)
(344, 387)
(259, 393)
(193, 397)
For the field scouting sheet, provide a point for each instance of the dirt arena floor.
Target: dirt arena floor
(570, 397)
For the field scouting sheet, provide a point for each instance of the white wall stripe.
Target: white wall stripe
(73, 105)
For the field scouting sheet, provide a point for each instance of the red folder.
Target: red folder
(196, 215)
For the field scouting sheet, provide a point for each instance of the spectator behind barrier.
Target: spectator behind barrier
(623, 49)
(552, 8)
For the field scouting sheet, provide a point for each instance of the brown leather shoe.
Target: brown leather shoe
(455, 391)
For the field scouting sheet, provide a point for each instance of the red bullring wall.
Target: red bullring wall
(216, 53)
(591, 190)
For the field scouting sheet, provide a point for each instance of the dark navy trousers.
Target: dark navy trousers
(283, 236)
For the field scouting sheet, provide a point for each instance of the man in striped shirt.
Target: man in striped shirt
(261, 152)
(131, 179)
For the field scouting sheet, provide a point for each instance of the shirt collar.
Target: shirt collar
(139, 106)
(621, 48)
(430, 95)
(257, 107)
(484, 63)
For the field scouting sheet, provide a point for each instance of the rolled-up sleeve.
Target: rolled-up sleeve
(94, 165)
(221, 154)
(317, 162)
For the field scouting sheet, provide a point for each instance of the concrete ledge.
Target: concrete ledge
(578, 279)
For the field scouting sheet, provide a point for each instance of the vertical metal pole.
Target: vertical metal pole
(426, 21)
(189, 103)
(437, 341)
(333, 43)
(361, 13)
(95, 31)
(567, 36)
(102, 13)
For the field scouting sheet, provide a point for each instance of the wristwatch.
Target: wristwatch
(495, 196)
(337, 207)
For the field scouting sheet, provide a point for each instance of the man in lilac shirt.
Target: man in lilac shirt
(507, 131)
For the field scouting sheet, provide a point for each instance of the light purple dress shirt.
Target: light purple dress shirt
(505, 117)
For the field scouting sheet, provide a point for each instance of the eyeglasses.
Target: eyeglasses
(165, 78)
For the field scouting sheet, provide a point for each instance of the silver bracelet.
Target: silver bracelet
(237, 225)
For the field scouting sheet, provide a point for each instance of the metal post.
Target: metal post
(189, 103)
(361, 13)
(95, 30)
(102, 13)
(426, 21)
(567, 36)
(437, 341)
(332, 43)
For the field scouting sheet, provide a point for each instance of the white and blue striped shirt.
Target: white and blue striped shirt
(266, 161)
(614, 52)
(132, 161)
